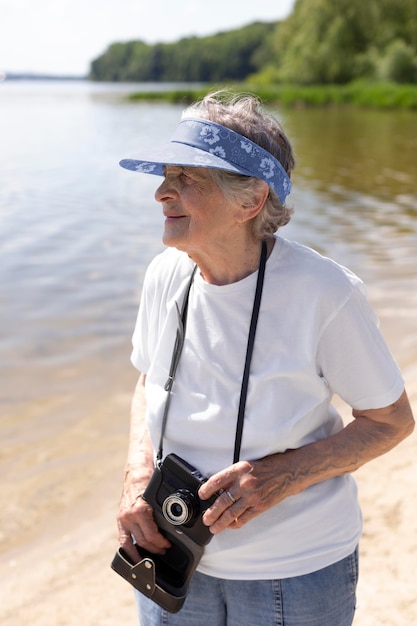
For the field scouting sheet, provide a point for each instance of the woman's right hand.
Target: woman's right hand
(135, 517)
(136, 522)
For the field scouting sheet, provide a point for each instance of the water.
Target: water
(77, 233)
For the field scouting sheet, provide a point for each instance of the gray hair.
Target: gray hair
(244, 114)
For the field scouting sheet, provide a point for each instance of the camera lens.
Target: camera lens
(179, 508)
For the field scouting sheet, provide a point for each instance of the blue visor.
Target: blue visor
(202, 143)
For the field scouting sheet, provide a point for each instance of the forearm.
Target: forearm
(370, 435)
(135, 517)
(140, 457)
(257, 485)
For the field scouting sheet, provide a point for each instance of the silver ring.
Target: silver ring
(230, 496)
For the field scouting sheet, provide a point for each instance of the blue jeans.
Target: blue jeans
(323, 598)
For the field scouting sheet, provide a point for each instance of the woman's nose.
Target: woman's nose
(166, 190)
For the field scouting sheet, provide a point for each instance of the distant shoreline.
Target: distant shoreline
(370, 95)
(377, 95)
(30, 76)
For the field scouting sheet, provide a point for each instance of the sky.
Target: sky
(64, 36)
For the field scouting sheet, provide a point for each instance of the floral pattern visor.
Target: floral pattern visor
(201, 143)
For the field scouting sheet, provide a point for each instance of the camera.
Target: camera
(172, 493)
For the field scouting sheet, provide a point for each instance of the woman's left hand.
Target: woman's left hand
(246, 490)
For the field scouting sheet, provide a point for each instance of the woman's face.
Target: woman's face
(197, 215)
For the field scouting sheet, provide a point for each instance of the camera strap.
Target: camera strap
(249, 350)
(179, 343)
(176, 353)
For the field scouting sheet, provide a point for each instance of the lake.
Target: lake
(77, 233)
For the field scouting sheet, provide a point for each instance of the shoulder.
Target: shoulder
(167, 265)
(167, 272)
(310, 283)
(306, 266)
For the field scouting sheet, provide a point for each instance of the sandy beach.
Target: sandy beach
(58, 530)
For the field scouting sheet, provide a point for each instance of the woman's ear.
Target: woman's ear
(248, 210)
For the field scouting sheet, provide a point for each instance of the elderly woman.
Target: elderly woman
(269, 331)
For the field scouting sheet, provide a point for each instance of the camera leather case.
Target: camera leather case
(143, 578)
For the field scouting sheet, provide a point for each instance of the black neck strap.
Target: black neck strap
(176, 353)
(249, 350)
(179, 342)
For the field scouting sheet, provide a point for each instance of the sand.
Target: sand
(58, 533)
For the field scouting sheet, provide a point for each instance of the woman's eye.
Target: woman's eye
(186, 178)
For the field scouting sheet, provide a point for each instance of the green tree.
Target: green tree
(337, 41)
(318, 42)
(399, 64)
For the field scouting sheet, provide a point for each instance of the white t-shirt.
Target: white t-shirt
(316, 336)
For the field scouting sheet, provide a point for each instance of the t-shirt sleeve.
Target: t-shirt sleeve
(355, 360)
(165, 282)
(140, 356)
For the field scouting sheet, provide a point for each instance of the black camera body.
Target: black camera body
(172, 493)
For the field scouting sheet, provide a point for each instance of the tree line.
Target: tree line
(231, 55)
(321, 42)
